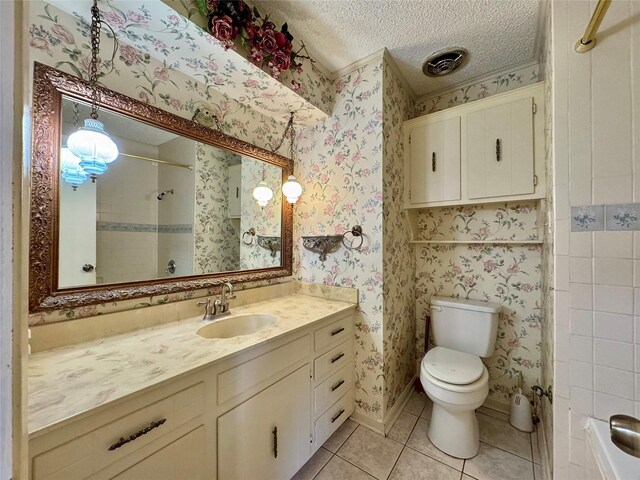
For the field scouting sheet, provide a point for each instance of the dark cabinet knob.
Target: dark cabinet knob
(87, 267)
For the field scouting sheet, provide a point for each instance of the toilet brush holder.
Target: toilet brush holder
(520, 416)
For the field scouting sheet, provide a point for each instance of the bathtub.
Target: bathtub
(605, 461)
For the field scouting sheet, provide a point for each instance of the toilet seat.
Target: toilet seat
(452, 367)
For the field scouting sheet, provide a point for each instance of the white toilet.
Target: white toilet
(452, 373)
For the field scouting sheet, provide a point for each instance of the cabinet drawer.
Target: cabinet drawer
(92, 451)
(332, 389)
(333, 418)
(334, 333)
(239, 379)
(333, 360)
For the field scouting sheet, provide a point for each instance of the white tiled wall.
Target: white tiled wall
(177, 208)
(596, 161)
(127, 194)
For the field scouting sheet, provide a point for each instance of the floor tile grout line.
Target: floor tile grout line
(324, 466)
(396, 462)
(434, 458)
(507, 451)
(358, 467)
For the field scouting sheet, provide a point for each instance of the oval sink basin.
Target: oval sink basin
(236, 326)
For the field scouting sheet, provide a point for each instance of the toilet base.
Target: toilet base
(456, 433)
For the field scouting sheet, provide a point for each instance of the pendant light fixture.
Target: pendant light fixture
(90, 143)
(291, 188)
(71, 171)
(262, 193)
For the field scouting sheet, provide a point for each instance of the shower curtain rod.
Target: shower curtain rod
(155, 160)
(588, 40)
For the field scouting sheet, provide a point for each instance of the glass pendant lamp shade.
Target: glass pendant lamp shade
(292, 189)
(70, 168)
(93, 146)
(262, 193)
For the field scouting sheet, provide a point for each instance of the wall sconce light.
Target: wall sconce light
(91, 143)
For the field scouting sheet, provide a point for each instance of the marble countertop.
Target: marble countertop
(69, 381)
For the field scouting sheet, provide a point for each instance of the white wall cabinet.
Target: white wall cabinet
(217, 423)
(435, 161)
(485, 151)
(500, 150)
(269, 436)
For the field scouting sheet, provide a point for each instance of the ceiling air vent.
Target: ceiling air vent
(444, 62)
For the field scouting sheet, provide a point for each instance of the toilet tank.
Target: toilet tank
(469, 326)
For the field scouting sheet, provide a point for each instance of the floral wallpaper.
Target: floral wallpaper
(340, 169)
(158, 30)
(495, 222)
(311, 84)
(217, 248)
(265, 220)
(506, 274)
(476, 90)
(398, 257)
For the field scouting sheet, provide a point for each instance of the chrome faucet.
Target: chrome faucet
(225, 297)
(219, 307)
(210, 309)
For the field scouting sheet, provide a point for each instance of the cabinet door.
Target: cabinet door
(268, 436)
(235, 190)
(500, 150)
(180, 460)
(435, 161)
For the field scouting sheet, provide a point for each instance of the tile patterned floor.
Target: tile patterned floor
(354, 452)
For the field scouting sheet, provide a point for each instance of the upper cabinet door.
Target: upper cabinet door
(435, 161)
(500, 150)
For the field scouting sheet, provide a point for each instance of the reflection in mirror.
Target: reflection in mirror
(168, 206)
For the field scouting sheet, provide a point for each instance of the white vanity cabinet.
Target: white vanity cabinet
(136, 435)
(226, 421)
(489, 150)
(268, 436)
(180, 460)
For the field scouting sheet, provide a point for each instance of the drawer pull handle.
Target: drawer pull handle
(433, 161)
(498, 149)
(337, 416)
(337, 331)
(139, 433)
(275, 442)
(337, 357)
(337, 385)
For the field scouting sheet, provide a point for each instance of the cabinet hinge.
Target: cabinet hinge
(535, 180)
(409, 139)
(534, 108)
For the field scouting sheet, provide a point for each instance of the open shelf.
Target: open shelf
(467, 242)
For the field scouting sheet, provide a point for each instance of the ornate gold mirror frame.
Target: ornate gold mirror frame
(44, 293)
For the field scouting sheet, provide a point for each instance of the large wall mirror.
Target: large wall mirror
(173, 212)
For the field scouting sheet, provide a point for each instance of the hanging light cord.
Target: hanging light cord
(93, 67)
(289, 130)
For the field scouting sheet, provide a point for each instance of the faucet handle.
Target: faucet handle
(202, 304)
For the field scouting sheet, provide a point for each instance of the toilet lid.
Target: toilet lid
(451, 366)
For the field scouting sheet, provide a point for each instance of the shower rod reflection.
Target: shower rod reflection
(155, 160)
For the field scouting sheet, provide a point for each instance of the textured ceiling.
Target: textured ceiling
(497, 33)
